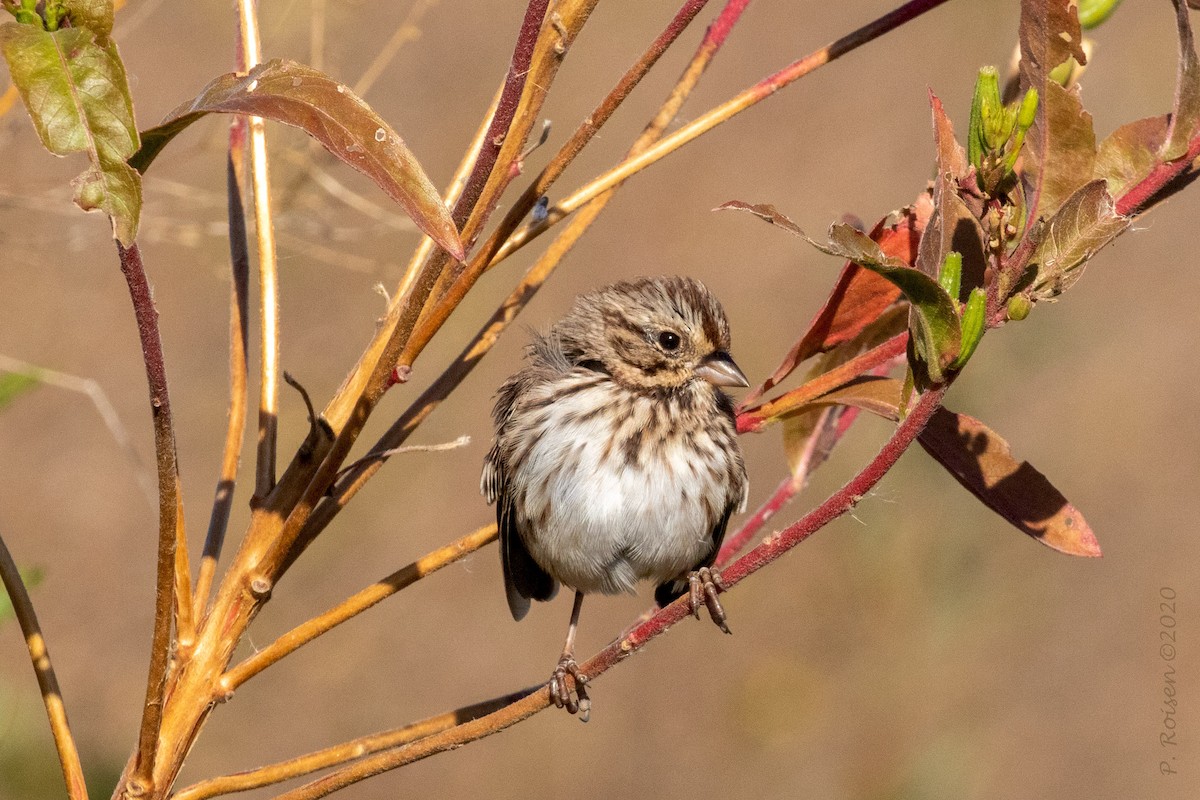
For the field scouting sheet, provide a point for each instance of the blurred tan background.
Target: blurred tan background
(920, 649)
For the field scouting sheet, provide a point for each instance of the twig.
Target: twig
(722, 113)
(239, 259)
(461, 441)
(346, 751)
(1139, 196)
(172, 594)
(39, 654)
(248, 57)
(837, 504)
(305, 632)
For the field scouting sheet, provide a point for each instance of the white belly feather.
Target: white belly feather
(600, 520)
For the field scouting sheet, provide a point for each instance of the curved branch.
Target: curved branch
(39, 654)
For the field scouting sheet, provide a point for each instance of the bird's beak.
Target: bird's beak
(719, 370)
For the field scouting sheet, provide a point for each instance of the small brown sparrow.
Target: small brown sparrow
(616, 456)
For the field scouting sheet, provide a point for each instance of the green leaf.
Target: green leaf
(1087, 221)
(1186, 113)
(74, 87)
(1130, 153)
(296, 95)
(983, 463)
(13, 384)
(31, 577)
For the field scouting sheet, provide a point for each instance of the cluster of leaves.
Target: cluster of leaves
(1008, 222)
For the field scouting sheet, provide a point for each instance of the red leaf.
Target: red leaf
(981, 461)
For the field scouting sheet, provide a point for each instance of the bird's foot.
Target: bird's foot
(703, 586)
(572, 696)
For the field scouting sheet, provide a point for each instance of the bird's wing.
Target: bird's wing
(523, 578)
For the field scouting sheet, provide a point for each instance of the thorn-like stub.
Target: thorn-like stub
(260, 587)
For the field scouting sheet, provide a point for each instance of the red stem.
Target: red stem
(510, 97)
(1132, 201)
(164, 443)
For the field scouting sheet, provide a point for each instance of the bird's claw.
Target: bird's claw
(703, 586)
(573, 698)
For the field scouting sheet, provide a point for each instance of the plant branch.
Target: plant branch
(346, 751)
(638, 637)
(537, 275)
(239, 258)
(172, 595)
(753, 420)
(722, 113)
(402, 578)
(39, 654)
(248, 57)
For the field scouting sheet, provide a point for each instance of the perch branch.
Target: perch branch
(837, 504)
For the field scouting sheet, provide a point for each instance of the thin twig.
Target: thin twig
(248, 57)
(346, 751)
(714, 117)
(39, 654)
(837, 504)
(172, 595)
(305, 632)
(231, 454)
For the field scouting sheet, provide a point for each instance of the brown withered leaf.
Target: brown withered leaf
(1087, 221)
(983, 463)
(951, 157)
(1130, 153)
(1070, 149)
(1186, 113)
(1049, 34)
(296, 95)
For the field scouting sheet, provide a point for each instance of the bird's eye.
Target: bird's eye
(668, 340)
